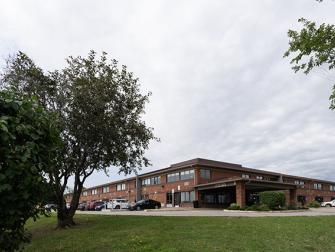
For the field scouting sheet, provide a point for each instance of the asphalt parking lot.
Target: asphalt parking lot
(324, 211)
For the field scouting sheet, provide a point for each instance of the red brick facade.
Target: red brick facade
(212, 183)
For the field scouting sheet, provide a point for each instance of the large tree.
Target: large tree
(100, 107)
(311, 47)
(29, 141)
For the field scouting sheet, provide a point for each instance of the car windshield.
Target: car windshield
(141, 201)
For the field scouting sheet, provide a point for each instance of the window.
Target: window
(121, 187)
(299, 182)
(245, 176)
(85, 193)
(332, 188)
(205, 173)
(187, 196)
(151, 181)
(189, 174)
(172, 177)
(105, 189)
(94, 191)
(169, 198)
(155, 180)
(317, 186)
(146, 182)
(259, 177)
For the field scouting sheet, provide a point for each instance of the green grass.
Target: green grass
(144, 233)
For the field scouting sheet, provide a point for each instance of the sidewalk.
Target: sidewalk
(214, 212)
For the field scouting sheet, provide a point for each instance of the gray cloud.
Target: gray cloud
(221, 88)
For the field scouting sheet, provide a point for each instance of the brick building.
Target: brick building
(212, 184)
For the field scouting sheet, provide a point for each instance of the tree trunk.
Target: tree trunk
(65, 215)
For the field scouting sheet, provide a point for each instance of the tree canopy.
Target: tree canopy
(313, 46)
(99, 106)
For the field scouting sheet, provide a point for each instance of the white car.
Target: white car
(328, 203)
(118, 204)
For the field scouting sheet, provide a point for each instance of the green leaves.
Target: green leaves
(25, 151)
(98, 107)
(312, 46)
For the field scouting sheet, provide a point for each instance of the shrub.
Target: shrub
(234, 206)
(257, 207)
(263, 207)
(292, 207)
(274, 200)
(27, 138)
(314, 204)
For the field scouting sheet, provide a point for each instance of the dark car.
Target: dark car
(146, 204)
(100, 205)
(82, 206)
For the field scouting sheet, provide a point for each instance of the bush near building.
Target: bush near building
(314, 204)
(274, 200)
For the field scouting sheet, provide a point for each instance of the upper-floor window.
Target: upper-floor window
(259, 177)
(299, 182)
(151, 181)
(105, 189)
(332, 188)
(121, 187)
(172, 177)
(245, 176)
(189, 174)
(205, 173)
(94, 191)
(85, 193)
(317, 186)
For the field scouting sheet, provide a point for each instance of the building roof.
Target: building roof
(210, 163)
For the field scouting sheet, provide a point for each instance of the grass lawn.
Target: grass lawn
(144, 233)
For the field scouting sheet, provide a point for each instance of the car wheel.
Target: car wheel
(117, 207)
(138, 208)
(328, 205)
(156, 207)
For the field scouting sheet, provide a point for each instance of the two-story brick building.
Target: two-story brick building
(212, 184)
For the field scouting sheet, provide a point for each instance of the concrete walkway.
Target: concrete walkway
(211, 212)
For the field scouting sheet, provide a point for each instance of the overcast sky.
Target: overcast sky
(221, 89)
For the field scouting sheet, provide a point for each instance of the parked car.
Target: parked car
(328, 203)
(90, 206)
(118, 204)
(50, 207)
(100, 205)
(146, 204)
(82, 206)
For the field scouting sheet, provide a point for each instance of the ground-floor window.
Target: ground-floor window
(169, 198)
(221, 198)
(187, 196)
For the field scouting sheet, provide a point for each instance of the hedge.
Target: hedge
(274, 200)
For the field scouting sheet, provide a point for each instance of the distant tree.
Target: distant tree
(28, 147)
(313, 46)
(100, 107)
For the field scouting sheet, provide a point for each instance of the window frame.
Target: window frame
(105, 189)
(122, 187)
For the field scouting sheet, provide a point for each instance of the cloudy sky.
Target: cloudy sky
(221, 89)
